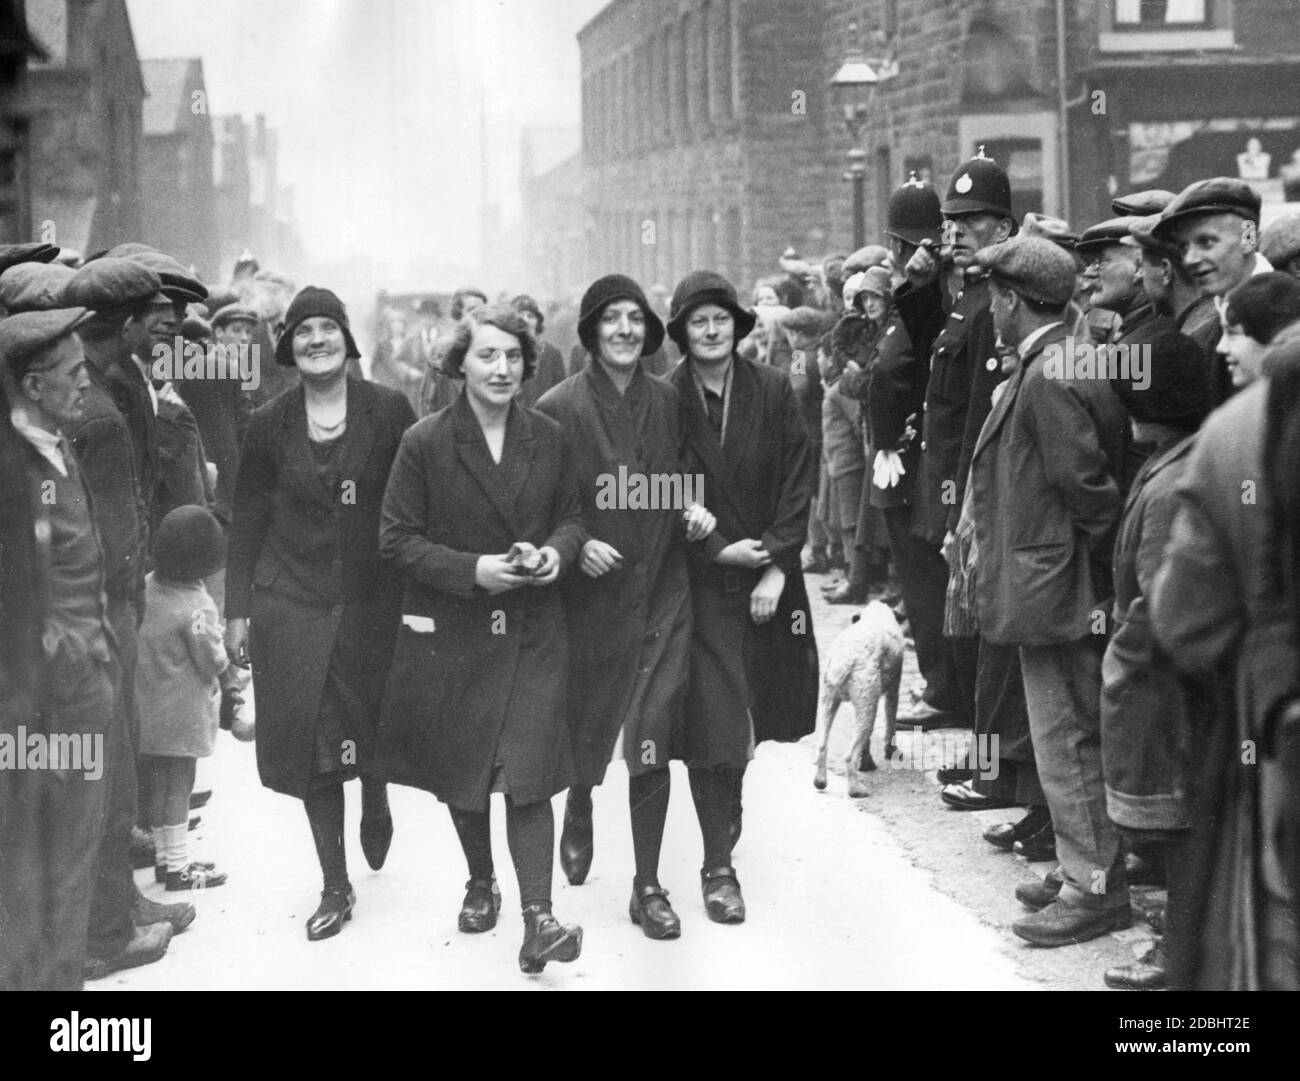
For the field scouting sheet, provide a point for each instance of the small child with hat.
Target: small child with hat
(181, 657)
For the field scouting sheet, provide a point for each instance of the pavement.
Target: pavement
(893, 891)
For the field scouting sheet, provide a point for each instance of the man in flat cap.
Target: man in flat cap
(1045, 493)
(1279, 243)
(1169, 284)
(1215, 224)
(45, 366)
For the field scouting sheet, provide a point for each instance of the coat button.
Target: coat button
(923, 444)
(991, 364)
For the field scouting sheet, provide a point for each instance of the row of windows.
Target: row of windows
(679, 81)
(661, 247)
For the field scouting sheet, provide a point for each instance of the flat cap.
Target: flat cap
(1103, 234)
(1177, 389)
(1057, 230)
(177, 282)
(230, 313)
(31, 287)
(1142, 234)
(25, 334)
(1139, 204)
(13, 254)
(109, 282)
(1033, 267)
(1218, 195)
(1280, 241)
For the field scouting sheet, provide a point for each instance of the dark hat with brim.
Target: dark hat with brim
(189, 544)
(313, 302)
(110, 283)
(979, 186)
(178, 284)
(914, 213)
(706, 287)
(602, 293)
(1103, 235)
(1179, 391)
(1139, 204)
(1217, 195)
(13, 254)
(33, 287)
(24, 335)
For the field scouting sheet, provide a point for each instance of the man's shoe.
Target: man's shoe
(145, 912)
(1005, 834)
(200, 798)
(1061, 924)
(650, 910)
(722, 899)
(924, 716)
(961, 797)
(376, 836)
(954, 775)
(546, 939)
(1039, 848)
(160, 872)
(845, 593)
(1147, 973)
(142, 849)
(146, 945)
(334, 911)
(194, 877)
(1038, 895)
(576, 840)
(479, 910)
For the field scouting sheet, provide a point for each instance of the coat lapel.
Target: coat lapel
(699, 434)
(358, 439)
(498, 481)
(1002, 409)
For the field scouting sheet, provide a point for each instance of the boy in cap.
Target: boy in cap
(1044, 478)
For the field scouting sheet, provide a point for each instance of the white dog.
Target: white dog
(864, 662)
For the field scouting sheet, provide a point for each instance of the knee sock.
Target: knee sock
(474, 828)
(715, 792)
(325, 813)
(647, 797)
(531, 833)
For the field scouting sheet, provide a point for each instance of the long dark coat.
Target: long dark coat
(488, 687)
(304, 564)
(759, 482)
(630, 629)
(895, 391)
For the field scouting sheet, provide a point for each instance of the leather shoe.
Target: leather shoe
(546, 939)
(376, 836)
(1061, 924)
(845, 593)
(961, 797)
(200, 798)
(145, 912)
(722, 899)
(334, 911)
(576, 840)
(1005, 834)
(194, 876)
(478, 912)
(924, 716)
(146, 945)
(1040, 847)
(1038, 895)
(650, 910)
(953, 775)
(160, 872)
(1147, 973)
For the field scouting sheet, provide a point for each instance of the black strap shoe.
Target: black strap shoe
(576, 840)
(1038, 848)
(722, 898)
(482, 903)
(334, 911)
(1005, 834)
(546, 939)
(650, 910)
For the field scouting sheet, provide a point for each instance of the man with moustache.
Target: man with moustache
(754, 658)
(629, 607)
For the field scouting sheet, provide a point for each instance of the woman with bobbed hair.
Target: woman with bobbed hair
(1252, 315)
(481, 515)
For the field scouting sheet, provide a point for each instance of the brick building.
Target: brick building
(710, 136)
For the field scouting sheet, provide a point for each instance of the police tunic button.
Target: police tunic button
(923, 444)
(991, 364)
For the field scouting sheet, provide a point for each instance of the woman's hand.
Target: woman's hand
(496, 574)
(763, 600)
(747, 553)
(237, 641)
(548, 571)
(599, 558)
(699, 522)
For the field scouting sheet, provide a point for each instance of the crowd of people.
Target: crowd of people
(1067, 458)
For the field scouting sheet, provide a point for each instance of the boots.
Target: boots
(576, 837)
(376, 823)
(546, 939)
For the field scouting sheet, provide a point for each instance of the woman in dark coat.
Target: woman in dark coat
(754, 663)
(304, 566)
(630, 607)
(481, 515)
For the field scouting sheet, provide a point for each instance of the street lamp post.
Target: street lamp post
(853, 88)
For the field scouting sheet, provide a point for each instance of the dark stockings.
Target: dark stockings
(530, 831)
(647, 797)
(717, 803)
(325, 813)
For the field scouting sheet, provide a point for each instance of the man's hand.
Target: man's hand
(922, 268)
(699, 522)
(599, 558)
(763, 600)
(888, 469)
(237, 641)
(747, 553)
(548, 571)
(496, 574)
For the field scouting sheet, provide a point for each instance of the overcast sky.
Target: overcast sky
(377, 103)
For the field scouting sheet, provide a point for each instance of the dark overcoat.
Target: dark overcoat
(759, 480)
(1045, 486)
(303, 563)
(895, 392)
(630, 629)
(487, 688)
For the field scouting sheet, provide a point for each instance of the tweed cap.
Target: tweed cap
(13, 254)
(230, 313)
(1139, 204)
(1033, 267)
(1103, 235)
(1142, 234)
(1057, 230)
(110, 282)
(30, 287)
(1217, 195)
(706, 287)
(24, 335)
(1280, 241)
(177, 282)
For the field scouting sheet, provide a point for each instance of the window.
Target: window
(1165, 25)
(1161, 14)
